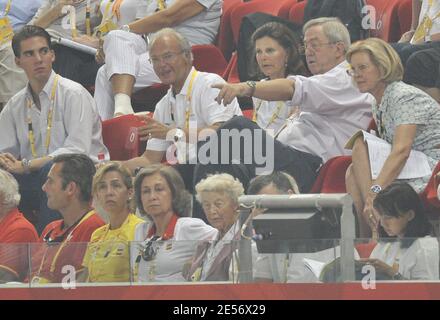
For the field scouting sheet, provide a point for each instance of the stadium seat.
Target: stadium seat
(429, 195)
(404, 13)
(225, 40)
(121, 138)
(387, 25)
(207, 58)
(284, 10)
(331, 177)
(296, 13)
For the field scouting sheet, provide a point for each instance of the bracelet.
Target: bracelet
(26, 165)
(398, 276)
(253, 86)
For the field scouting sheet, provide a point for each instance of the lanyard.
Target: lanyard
(188, 100)
(49, 120)
(161, 5)
(63, 244)
(8, 8)
(88, 26)
(168, 234)
(275, 114)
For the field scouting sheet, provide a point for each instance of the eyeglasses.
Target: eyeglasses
(168, 57)
(314, 46)
(359, 70)
(149, 252)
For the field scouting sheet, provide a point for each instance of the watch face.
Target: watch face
(376, 189)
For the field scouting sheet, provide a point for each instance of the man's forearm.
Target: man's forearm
(275, 90)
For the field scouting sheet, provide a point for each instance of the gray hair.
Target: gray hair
(169, 32)
(223, 183)
(333, 28)
(9, 194)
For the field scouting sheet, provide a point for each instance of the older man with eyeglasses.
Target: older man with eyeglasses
(188, 108)
(331, 108)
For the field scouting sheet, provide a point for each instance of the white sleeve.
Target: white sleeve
(426, 265)
(194, 229)
(159, 115)
(8, 132)
(262, 268)
(209, 110)
(78, 117)
(327, 94)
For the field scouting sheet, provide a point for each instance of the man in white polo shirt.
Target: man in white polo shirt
(189, 104)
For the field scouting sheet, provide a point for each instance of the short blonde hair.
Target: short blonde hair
(382, 55)
(113, 166)
(222, 183)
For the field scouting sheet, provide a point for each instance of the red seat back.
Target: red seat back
(404, 14)
(284, 10)
(429, 195)
(121, 138)
(225, 41)
(296, 13)
(387, 25)
(331, 177)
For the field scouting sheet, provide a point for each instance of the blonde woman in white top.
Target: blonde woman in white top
(276, 56)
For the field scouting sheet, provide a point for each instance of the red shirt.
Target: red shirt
(15, 234)
(58, 248)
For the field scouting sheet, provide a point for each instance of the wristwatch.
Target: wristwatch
(253, 86)
(179, 135)
(126, 28)
(376, 188)
(26, 165)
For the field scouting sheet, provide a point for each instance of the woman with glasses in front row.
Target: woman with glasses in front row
(407, 119)
(165, 244)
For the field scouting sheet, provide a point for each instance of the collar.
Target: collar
(169, 231)
(232, 233)
(10, 217)
(46, 89)
(184, 89)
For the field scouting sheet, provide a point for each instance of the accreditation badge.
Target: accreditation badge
(105, 28)
(6, 31)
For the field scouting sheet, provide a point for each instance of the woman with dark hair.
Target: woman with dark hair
(276, 56)
(404, 250)
(165, 243)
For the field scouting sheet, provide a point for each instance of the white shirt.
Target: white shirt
(58, 27)
(172, 254)
(431, 12)
(76, 127)
(216, 246)
(281, 267)
(200, 29)
(272, 115)
(205, 111)
(332, 110)
(418, 262)
(128, 10)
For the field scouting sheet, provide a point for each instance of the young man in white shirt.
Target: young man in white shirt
(50, 116)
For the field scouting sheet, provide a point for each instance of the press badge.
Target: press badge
(6, 31)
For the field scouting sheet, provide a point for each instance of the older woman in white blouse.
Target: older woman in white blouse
(167, 241)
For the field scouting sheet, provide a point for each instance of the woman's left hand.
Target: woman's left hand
(370, 214)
